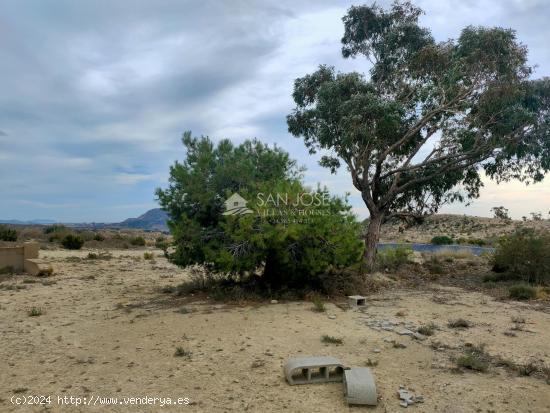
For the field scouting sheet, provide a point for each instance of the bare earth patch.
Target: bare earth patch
(105, 329)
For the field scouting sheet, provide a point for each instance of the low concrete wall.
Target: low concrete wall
(15, 257)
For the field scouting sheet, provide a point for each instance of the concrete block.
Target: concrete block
(359, 386)
(306, 370)
(355, 301)
(30, 250)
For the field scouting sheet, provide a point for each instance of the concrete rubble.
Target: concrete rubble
(402, 328)
(407, 398)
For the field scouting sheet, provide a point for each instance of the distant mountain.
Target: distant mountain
(152, 220)
(31, 222)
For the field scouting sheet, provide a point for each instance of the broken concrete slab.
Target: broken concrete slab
(313, 369)
(359, 386)
(407, 398)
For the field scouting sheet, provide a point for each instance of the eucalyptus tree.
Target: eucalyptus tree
(429, 119)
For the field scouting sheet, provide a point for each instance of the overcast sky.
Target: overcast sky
(96, 94)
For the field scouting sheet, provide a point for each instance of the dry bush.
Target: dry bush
(446, 254)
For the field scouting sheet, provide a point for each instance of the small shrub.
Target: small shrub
(442, 240)
(434, 266)
(29, 281)
(427, 329)
(459, 323)
(98, 237)
(99, 256)
(474, 358)
(161, 243)
(499, 277)
(318, 304)
(331, 340)
(525, 254)
(148, 256)
(72, 242)
(522, 292)
(50, 229)
(137, 241)
(181, 352)
(7, 270)
(447, 253)
(527, 369)
(35, 312)
(393, 258)
(7, 234)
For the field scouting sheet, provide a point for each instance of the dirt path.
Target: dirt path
(106, 331)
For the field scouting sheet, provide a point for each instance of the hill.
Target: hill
(152, 220)
(467, 229)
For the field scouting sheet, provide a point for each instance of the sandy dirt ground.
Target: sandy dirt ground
(106, 331)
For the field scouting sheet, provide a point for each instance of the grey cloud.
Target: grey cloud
(96, 90)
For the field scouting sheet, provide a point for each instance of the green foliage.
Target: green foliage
(148, 256)
(34, 312)
(524, 255)
(434, 265)
(7, 270)
(442, 240)
(275, 243)
(162, 243)
(138, 241)
(50, 229)
(72, 242)
(98, 237)
(474, 358)
(468, 103)
(393, 258)
(522, 292)
(7, 234)
(318, 304)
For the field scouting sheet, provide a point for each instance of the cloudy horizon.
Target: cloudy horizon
(97, 94)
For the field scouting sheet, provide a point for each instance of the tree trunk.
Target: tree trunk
(371, 240)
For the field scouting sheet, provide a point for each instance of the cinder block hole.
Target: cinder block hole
(318, 373)
(300, 375)
(361, 301)
(335, 372)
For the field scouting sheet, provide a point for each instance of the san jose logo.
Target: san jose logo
(236, 205)
(281, 207)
